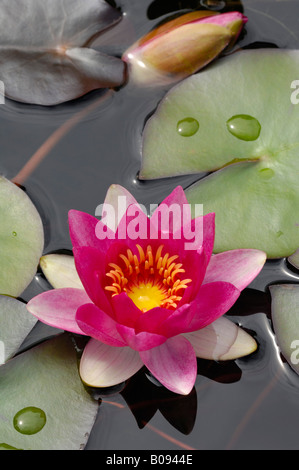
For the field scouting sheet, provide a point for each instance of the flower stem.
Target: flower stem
(53, 140)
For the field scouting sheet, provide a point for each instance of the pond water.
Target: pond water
(251, 403)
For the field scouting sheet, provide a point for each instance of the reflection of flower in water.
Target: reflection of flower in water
(142, 305)
(145, 397)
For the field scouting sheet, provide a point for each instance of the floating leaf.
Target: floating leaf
(44, 58)
(294, 259)
(285, 317)
(15, 324)
(42, 386)
(21, 239)
(248, 130)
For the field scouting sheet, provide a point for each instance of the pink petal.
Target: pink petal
(192, 233)
(212, 301)
(208, 234)
(221, 340)
(151, 320)
(177, 196)
(238, 267)
(173, 216)
(177, 322)
(171, 211)
(173, 364)
(83, 228)
(102, 365)
(90, 264)
(97, 324)
(201, 232)
(140, 341)
(126, 312)
(224, 19)
(58, 308)
(195, 265)
(133, 226)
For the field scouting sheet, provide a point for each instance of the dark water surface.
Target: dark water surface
(251, 403)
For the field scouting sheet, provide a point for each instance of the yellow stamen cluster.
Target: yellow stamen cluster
(150, 279)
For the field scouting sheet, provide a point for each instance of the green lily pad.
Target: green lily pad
(15, 324)
(21, 239)
(247, 136)
(44, 405)
(285, 317)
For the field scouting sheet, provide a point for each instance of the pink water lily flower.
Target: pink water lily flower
(145, 298)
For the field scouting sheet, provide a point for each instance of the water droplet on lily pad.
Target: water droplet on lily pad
(46, 376)
(244, 127)
(14, 234)
(267, 173)
(233, 165)
(29, 420)
(187, 127)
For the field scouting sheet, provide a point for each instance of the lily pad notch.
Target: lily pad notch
(247, 138)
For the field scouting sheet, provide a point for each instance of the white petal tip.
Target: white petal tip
(244, 345)
(222, 340)
(105, 366)
(60, 271)
(294, 259)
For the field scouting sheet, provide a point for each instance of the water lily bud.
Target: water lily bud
(182, 46)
